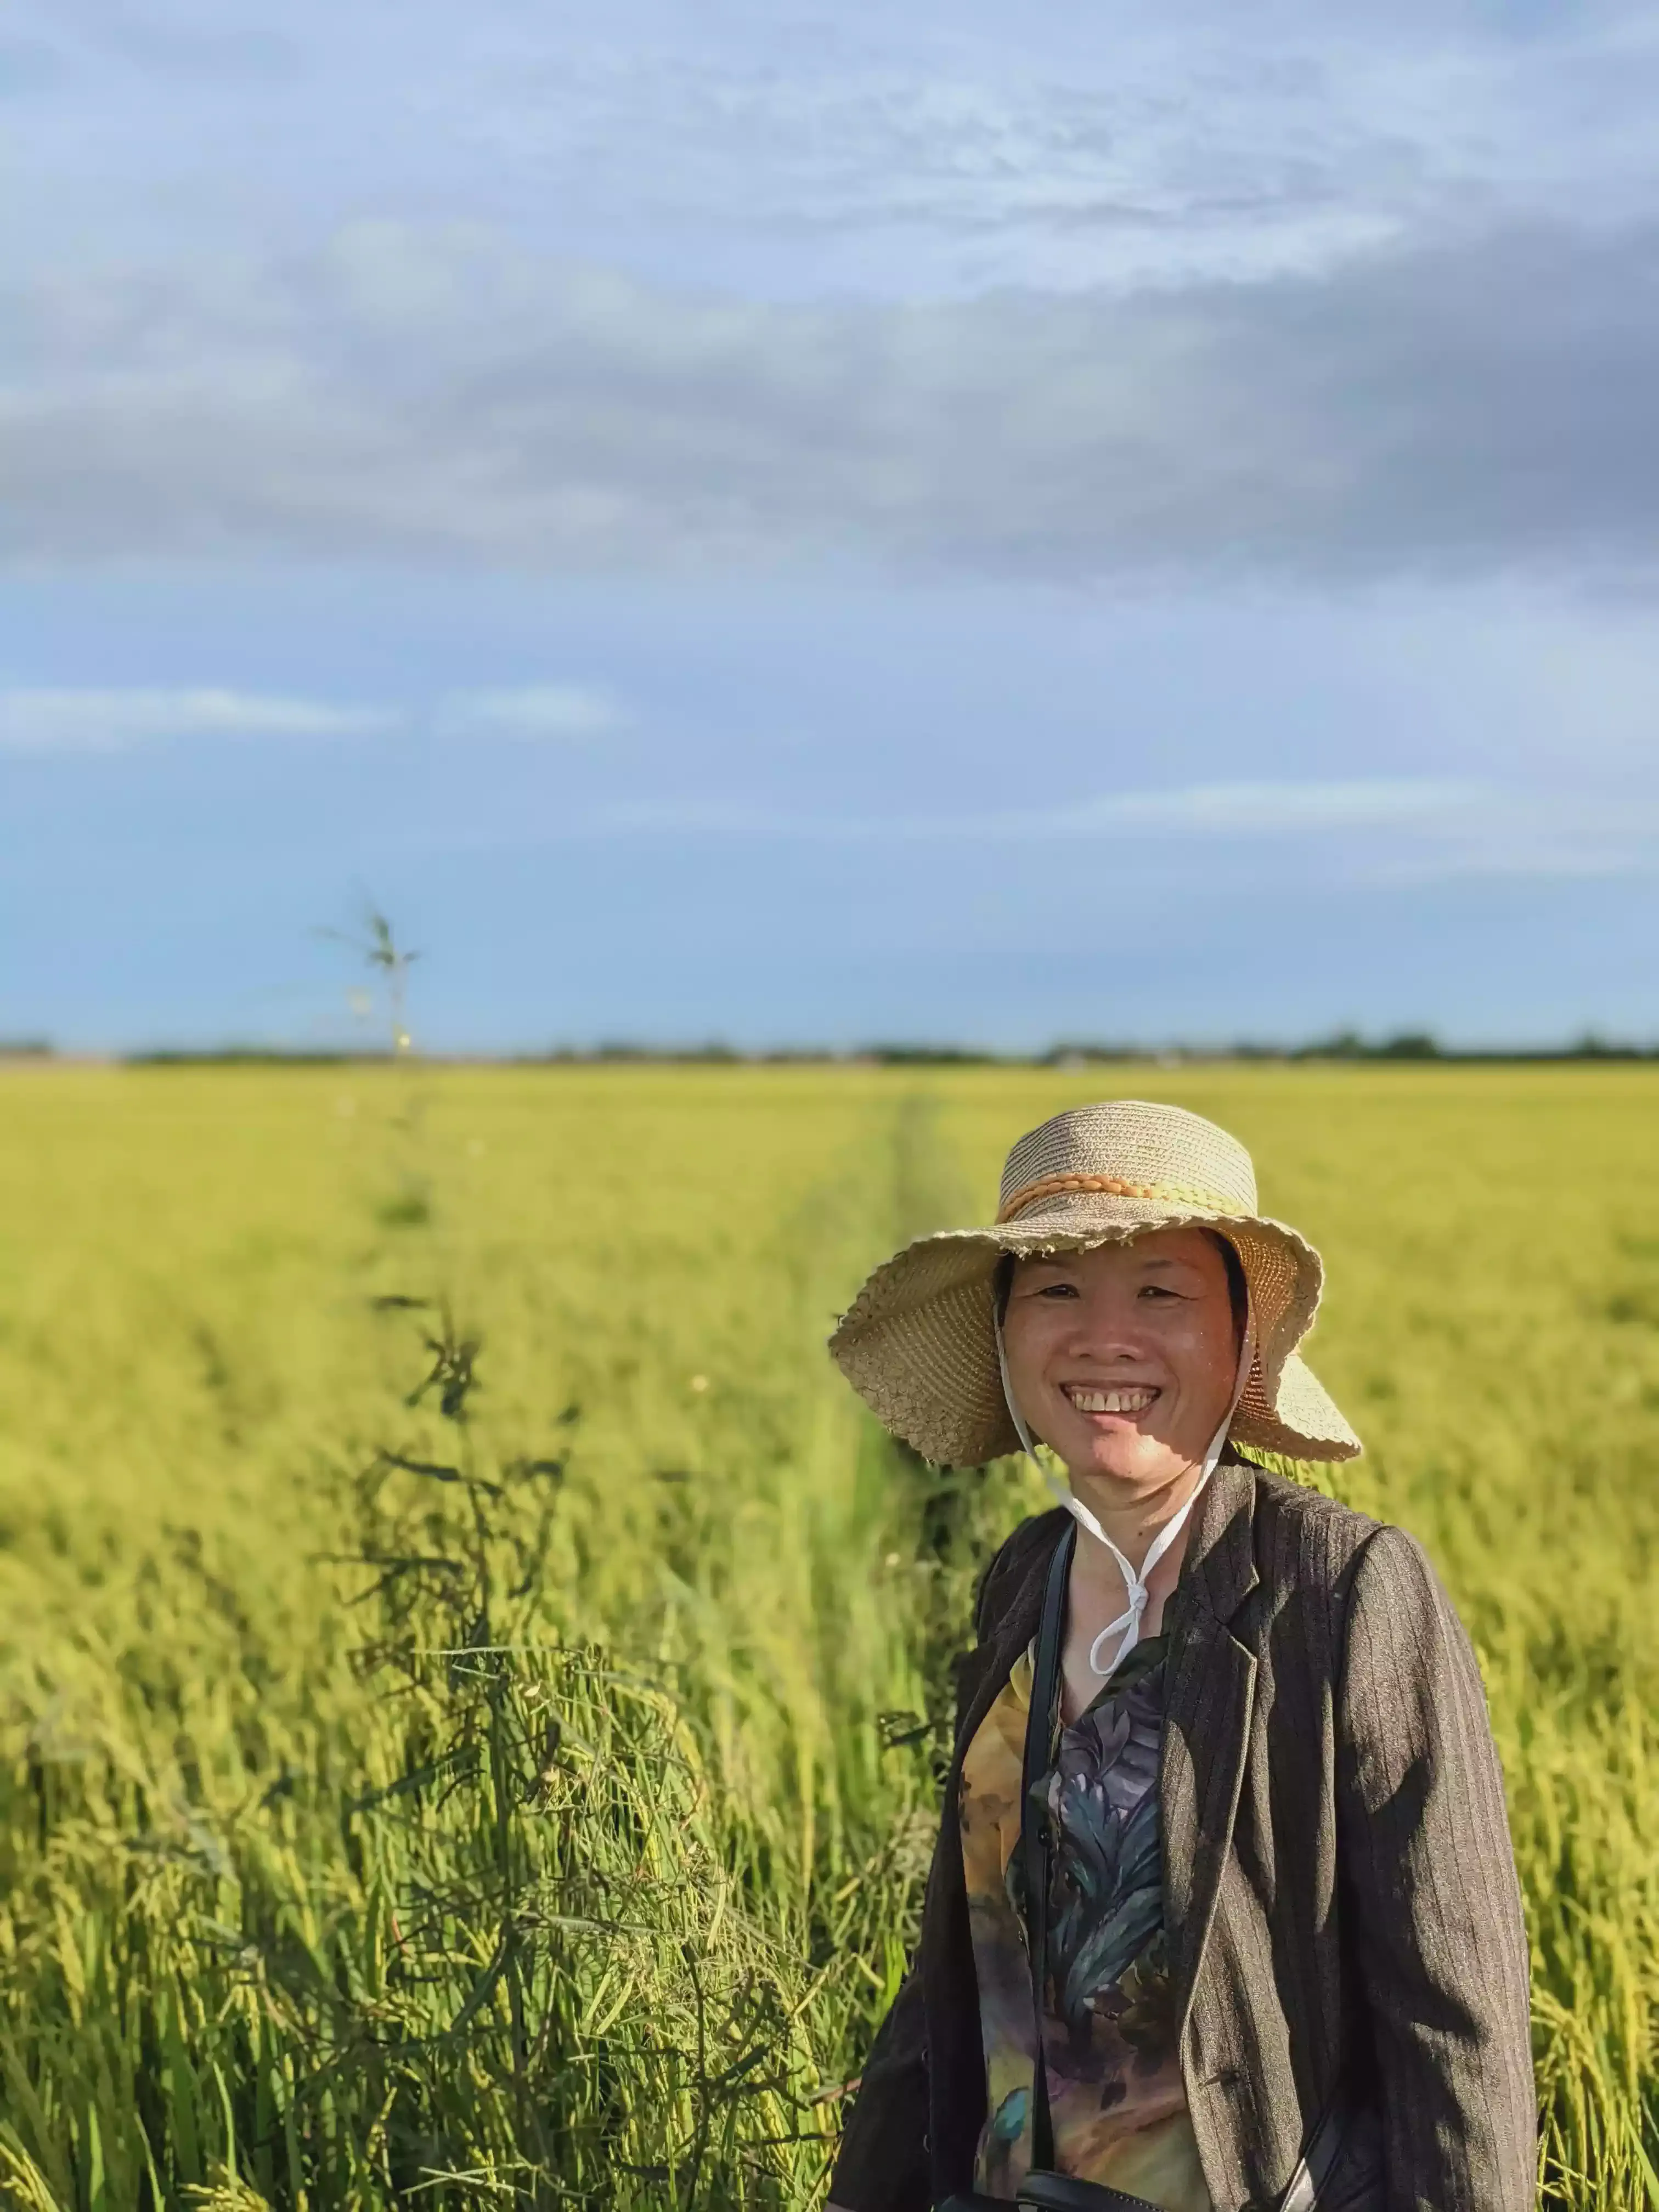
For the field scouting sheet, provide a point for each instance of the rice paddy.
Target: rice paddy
(473, 1683)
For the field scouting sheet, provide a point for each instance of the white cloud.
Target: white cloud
(56, 720)
(532, 711)
(1250, 810)
(822, 149)
(1376, 830)
(1208, 810)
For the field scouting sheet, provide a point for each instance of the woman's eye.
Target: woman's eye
(1058, 1290)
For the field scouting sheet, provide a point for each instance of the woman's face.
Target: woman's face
(1123, 1358)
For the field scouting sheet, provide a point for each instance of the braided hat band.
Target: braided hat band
(919, 1342)
(1111, 1187)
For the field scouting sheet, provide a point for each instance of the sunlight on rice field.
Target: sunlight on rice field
(474, 1681)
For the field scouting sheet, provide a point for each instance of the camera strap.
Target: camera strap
(1034, 1827)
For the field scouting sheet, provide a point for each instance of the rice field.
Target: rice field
(473, 1682)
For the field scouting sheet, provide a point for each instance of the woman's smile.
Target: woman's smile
(1095, 1398)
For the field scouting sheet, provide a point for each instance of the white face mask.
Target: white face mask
(1128, 1624)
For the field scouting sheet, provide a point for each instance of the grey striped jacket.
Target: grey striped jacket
(1339, 1889)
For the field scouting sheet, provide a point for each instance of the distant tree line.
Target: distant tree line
(1402, 1045)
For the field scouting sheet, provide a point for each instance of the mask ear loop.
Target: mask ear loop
(1128, 1624)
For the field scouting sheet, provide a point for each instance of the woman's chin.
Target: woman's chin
(1127, 1457)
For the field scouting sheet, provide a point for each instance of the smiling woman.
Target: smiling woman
(1223, 1912)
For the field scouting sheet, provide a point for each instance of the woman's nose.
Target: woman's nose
(1108, 1324)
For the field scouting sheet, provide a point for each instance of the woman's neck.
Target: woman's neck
(1132, 1521)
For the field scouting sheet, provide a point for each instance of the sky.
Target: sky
(804, 524)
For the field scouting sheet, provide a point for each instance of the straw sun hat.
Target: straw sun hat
(919, 1343)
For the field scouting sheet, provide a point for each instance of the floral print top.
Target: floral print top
(1116, 2099)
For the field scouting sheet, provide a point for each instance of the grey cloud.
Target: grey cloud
(191, 44)
(1483, 405)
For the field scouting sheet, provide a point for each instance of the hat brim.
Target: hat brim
(919, 1342)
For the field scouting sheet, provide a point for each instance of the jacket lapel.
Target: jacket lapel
(1207, 1719)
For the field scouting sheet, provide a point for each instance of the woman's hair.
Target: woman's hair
(1238, 1290)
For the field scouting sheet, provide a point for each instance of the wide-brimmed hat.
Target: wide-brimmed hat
(919, 1342)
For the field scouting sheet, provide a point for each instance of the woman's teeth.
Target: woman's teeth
(1109, 1401)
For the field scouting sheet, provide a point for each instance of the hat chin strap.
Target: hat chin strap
(1128, 1624)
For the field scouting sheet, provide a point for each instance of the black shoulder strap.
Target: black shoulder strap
(1033, 1829)
(1315, 2166)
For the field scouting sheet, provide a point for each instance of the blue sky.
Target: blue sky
(800, 524)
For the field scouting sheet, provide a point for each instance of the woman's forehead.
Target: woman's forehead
(1154, 1250)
